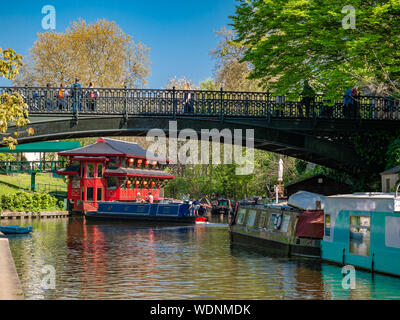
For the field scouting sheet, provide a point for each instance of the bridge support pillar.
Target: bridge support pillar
(33, 181)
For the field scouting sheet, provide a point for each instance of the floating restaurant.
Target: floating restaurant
(113, 170)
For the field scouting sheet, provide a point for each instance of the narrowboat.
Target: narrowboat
(363, 230)
(278, 228)
(147, 212)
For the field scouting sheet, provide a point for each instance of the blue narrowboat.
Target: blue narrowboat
(363, 230)
(151, 212)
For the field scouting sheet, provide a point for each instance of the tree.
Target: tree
(179, 84)
(296, 40)
(230, 72)
(13, 109)
(100, 52)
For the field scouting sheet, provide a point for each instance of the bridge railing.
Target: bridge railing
(201, 103)
(7, 167)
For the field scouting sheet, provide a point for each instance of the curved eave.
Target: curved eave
(67, 154)
(138, 176)
(67, 173)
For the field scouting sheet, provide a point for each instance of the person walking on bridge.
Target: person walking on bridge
(76, 94)
(308, 97)
(91, 97)
(188, 99)
(60, 95)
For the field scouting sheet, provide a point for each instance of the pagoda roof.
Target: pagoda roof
(113, 148)
(71, 170)
(138, 173)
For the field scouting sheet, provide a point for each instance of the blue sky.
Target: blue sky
(179, 33)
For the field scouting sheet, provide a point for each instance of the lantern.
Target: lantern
(137, 182)
(146, 163)
(154, 163)
(131, 161)
(151, 184)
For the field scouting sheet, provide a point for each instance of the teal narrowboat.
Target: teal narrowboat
(362, 230)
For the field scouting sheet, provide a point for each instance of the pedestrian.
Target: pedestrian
(151, 198)
(76, 94)
(60, 95)
(188, 99)
(308, 97)
(355, 105)
(91, 97)
(195, 206)
(347, 103)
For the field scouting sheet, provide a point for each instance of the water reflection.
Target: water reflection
(137, 261)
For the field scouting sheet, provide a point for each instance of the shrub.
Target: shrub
(24, 201)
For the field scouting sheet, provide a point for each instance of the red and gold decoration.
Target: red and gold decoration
(122, 176)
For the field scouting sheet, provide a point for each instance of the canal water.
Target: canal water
(133, 261)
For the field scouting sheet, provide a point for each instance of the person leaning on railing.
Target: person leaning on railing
(75, 91)
(308, 97)
(60, 95)
(91, 96)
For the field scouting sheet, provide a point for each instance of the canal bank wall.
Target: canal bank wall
(10, 285)
(33, 215)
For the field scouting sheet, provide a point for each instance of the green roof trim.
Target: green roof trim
(43, 147)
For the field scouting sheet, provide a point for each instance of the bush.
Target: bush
(28, 202)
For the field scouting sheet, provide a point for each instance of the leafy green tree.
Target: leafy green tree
(295, 40)
(230, 72)
(13, 109)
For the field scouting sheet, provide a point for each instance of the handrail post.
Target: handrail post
(125, 106)
(222, 103)
(174, 102)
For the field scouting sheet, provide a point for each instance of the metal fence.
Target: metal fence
(202, 103)
(55, 190)
(7, 167)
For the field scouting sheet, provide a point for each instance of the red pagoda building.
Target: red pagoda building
(113, 170)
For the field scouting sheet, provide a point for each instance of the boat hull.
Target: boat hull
(276, 247)
(15, 230)
(127, 217)
(155, 212)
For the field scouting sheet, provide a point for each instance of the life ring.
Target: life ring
(278, 221)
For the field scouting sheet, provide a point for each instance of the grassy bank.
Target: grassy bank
(22, 182)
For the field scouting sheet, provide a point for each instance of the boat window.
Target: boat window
(285, 223)
(112, 183)
(271, 224)
(89, 194)
(327, 225)
(251, 218)
(261, 223)
(240, 216)
(360, 235)
(99, 170)
(90, 170)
